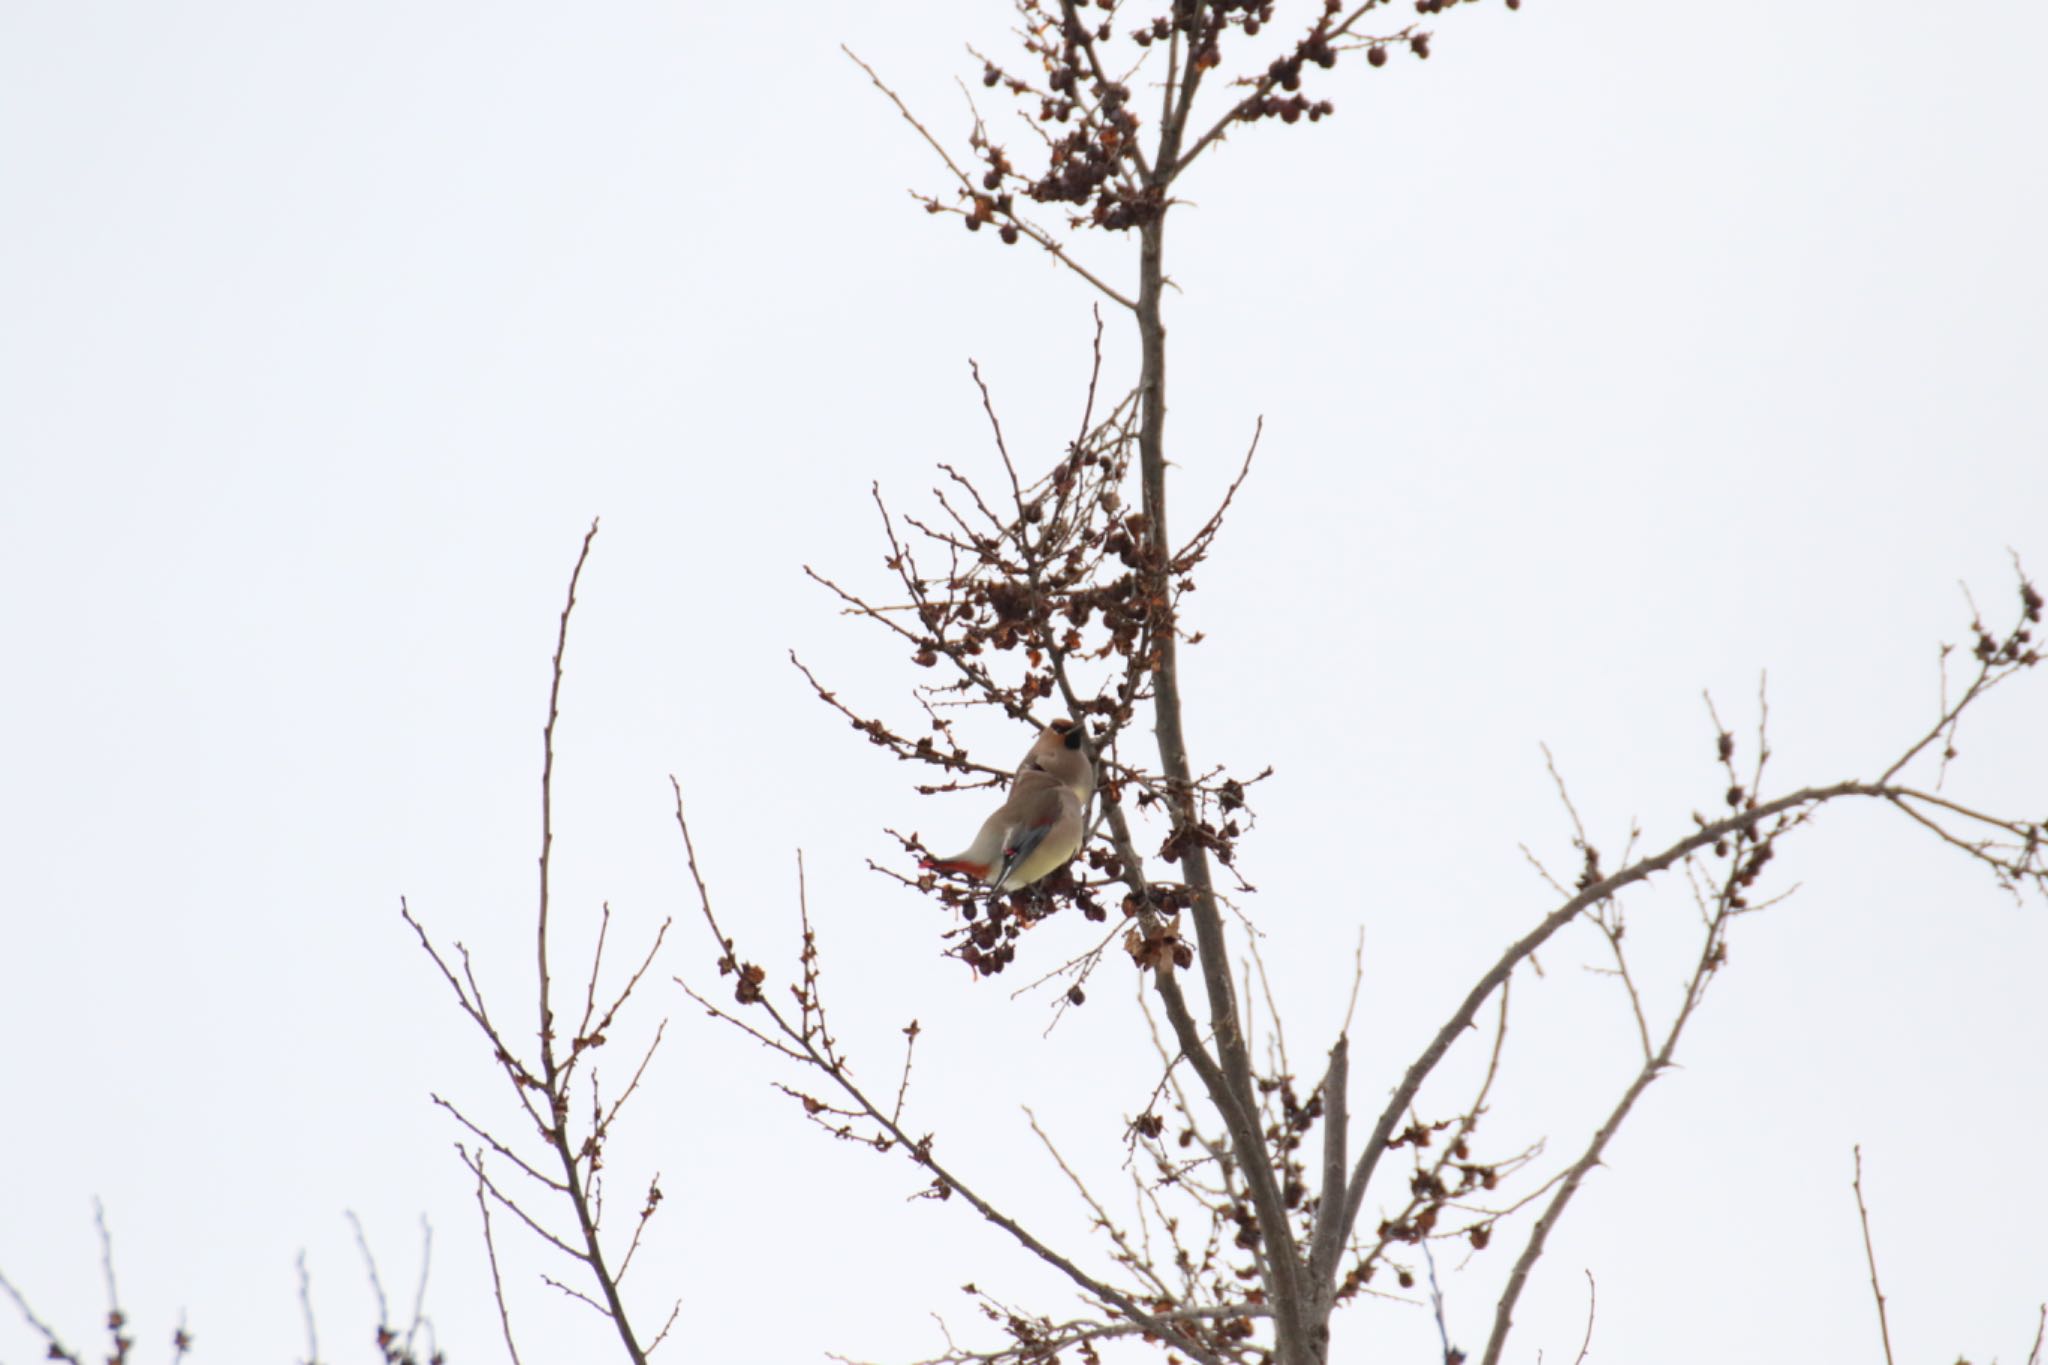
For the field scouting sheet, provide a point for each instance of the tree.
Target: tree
(1061, 593)
(1251, 1178)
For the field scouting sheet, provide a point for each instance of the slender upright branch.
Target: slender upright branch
(542, 1083)
(1884, 1327)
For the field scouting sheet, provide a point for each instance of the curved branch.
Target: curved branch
(1707, 835)
(920, 1150)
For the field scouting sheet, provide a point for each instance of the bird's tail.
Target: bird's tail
(978, 871)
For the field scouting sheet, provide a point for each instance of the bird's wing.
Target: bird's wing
(1042, 829)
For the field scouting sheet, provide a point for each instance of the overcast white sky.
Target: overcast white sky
(1616, 352)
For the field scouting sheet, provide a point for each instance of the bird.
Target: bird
(1038, 829)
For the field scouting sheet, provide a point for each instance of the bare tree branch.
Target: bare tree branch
(1884, 1327)
(542, 1086)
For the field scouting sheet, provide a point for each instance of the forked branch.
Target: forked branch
(541, 1080)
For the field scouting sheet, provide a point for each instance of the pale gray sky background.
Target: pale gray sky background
(1616, 352)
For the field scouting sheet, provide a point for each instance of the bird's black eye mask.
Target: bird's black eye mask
(1074, 738)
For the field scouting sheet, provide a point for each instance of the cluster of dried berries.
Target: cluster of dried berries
(1289, 110)
(1288, 1121)
(1450, 1180)
(1095, 165)
(747, 976)
(987, 940)
(1097, 160)
(1050, 596)
(1430, 1193)
(2018, 645)
(1156, 945)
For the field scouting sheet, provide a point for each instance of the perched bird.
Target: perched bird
(1038, 830)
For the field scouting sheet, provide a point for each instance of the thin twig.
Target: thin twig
(370, 1265)
(1436, 1306)
(1036, 234)
(54, 1349)
(1592, 1306)
(419, 1297)
(306, 1311)
(1357, 981)
(115, 1317)
(1884, 1327)
(483, 1206)
(675, 1311)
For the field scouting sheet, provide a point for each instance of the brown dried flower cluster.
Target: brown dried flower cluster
(1050, 598)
